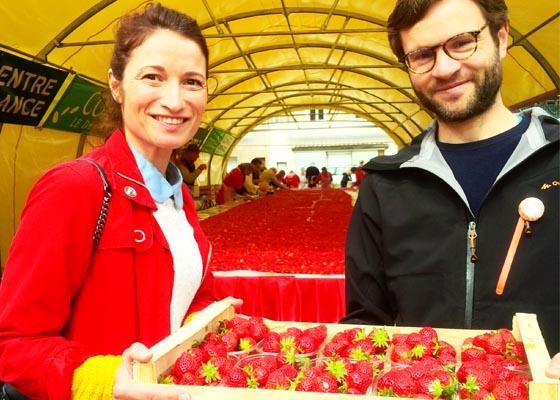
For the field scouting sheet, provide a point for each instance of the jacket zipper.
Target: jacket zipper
(472, 257)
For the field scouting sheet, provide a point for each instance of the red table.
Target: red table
(284, 297)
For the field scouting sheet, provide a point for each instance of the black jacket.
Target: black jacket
(409, 259)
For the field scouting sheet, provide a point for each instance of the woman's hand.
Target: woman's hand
(126, 388)
(233, 301)
(553, 368)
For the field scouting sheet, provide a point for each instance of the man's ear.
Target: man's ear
(114, 86)
(503, 35)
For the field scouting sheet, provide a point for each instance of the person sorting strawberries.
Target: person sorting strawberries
(73, 317)
(432, 224)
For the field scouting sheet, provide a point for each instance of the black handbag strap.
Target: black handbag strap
(104, 205)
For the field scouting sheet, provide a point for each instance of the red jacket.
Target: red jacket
(58, 308)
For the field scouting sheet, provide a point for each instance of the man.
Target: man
(432, 225)
(187, 165)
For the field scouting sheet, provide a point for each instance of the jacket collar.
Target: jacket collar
(126, 178)
(423, 150)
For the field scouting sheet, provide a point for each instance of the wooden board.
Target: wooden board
(524, 327)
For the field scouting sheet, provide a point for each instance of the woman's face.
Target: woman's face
(162, 94)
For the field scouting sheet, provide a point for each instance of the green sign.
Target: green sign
(27, 89)
(224, 145)
(77, 109)
(213, 140)
(200, 136)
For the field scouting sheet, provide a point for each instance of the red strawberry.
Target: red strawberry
(516, 351)
(318, 332)
(359, 380)
(209, 373)
(190, 378)
(334, 348)
(473, 353)
(438, 383)
(278, 380)
(401, 353)
(230, 340)
(306, 384)
(188, 361)
(468, 367)
(258, 331)
(429, 334)
(306, 344)
(396, 382)
(380, 339)
(325, 383)
(211, 349)
(236, 377)
(246, 343)
(510, 391)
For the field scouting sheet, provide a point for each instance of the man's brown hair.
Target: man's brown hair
(408, 12)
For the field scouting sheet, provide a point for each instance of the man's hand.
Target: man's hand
(202, 167)
(126, 388)
(553, 368)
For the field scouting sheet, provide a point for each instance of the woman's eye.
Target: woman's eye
(151, 77)
(194, 82)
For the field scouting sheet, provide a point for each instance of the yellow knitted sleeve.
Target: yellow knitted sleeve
(189, 317)
(94, 379)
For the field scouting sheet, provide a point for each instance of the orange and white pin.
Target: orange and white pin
(530, 210)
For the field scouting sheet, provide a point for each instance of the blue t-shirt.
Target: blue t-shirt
(476, 165)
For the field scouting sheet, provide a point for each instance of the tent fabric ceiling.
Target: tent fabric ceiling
(277, 56)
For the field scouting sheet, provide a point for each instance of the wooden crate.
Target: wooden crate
(525, 328)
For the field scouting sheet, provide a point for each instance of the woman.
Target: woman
(233, 185)
(69, 312)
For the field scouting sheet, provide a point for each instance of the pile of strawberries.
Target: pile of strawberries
(207, 362)
(356, 344)
(493, 367)
(294, 341)
(413, 347)
(336, 375)
(245, 353)
(423, 367)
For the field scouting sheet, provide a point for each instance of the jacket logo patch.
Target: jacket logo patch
(547, 185)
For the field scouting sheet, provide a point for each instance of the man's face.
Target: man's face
(456, 90)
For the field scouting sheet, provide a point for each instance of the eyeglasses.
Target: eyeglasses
(459, 47)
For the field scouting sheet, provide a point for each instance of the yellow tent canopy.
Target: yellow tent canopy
(267, 58)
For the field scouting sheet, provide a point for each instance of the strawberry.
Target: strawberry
(325, 383)
(334, 348)
(230, 340)
(380, 339)
(258, 331)
(438, 383)
(188, 361)
(209, 373)
(236, 377)
(246, 343)
(473, 353)
(516, 351)
(240, 325)
(429, 334)
(306, 343)
(319, 333)
(190, 378)
(396, 382)
(510, 391)
(401, 353)
(468, 367)
(279, 379)
(360, 380)
(306, 384)
(212, 349)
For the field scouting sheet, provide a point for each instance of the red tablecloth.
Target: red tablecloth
(284, 297)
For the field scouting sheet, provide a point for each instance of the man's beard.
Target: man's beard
(484, 96)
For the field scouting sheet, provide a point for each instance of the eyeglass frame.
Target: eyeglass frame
(474, 34)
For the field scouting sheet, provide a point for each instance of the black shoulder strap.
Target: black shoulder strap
(104, 205)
